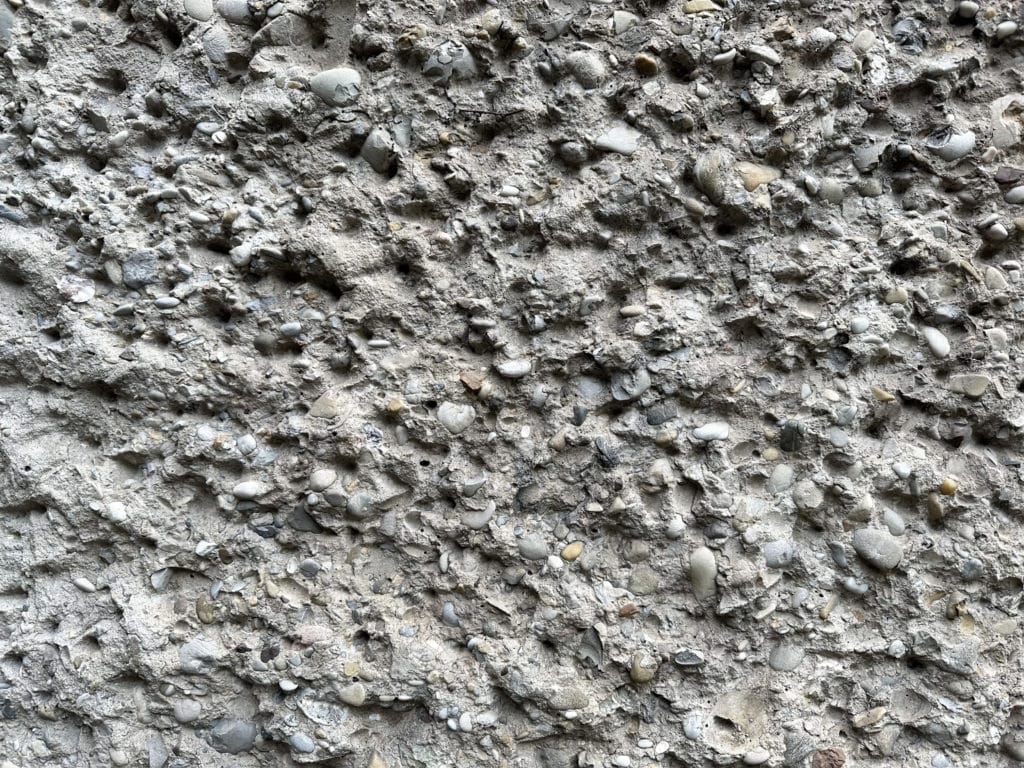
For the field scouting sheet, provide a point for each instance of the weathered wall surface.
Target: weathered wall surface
(528, 384)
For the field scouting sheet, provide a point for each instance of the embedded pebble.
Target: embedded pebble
(878, 548)
(514, 369)
(337, 87)
(778, 554)
(354, 695)
(456, 418)
(233, 737)
(716, 430)
(703, 573)
(248, 490)
(200, 10)
(937, 341)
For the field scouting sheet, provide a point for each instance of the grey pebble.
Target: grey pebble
(233, 736)
(513, 369)
(337, 87)
(354, 695)
(456, 418)
(878, 548)
(778, 554)
(302, 743)
(449, 616)
(533, 547)
(785, 657)
(808, 496)
(187, 710)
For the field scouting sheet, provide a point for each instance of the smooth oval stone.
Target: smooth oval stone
(778, 554)
(360, 504)
(780, 479)
(716, 430)
(200, 10)
(513, 369)
(703, 570)
(878, 548)
(936, 340)
(234, 11)
(533, 547)
(455, 418)
(187, 710)
(337, 87)
(302, 743)
(785, 658)
(1015, 196)
(248, 490)
(322, 479)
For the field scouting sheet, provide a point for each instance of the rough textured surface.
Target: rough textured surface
(530, 384)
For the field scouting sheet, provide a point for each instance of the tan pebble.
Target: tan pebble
(770, 454)
(395, 405)
(897, 295)
(643, 668)
(753, 175)
(571, 551)
(204, 609)
(947, 487)
(872, 716)
(376, 761)
(471, 381)
(826, 609)
(881, 395)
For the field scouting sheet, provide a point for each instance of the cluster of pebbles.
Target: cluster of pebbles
(538, 383)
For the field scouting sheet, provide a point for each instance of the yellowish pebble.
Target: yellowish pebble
(881, 395)
(571, 551)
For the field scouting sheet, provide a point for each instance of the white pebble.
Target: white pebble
(716, 430)
(248, 490)
(937, 341)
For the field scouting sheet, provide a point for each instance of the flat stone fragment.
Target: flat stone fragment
(970, 384)
(753, 175)
(621, 139)
(233, 737)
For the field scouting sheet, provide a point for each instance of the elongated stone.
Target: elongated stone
(703, 571)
